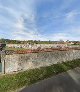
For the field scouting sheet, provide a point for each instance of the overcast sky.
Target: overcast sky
(40, 19)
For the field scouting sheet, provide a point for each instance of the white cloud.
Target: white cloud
(21, 10)
(22, 32)
(71, 16)
(59, 36)
(70, 34)
(20, 24)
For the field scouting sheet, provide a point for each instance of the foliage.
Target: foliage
(8, 41)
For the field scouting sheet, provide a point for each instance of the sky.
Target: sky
(40, 19)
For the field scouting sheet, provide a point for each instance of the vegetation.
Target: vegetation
(9, 41)
(14, 81)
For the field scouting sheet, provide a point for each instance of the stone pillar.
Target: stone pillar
(3, 60)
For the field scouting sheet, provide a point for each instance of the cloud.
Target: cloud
(69, 34)
(21, 20)
(20, 24)
(63, 36)
(26, 31)
(58, 36)
(71, 16)
(10, 10)
(23, 26)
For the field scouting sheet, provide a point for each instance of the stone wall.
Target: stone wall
(18, 62)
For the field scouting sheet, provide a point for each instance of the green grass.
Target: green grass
(14, 81)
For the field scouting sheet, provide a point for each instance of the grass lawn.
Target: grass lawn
(12, 82)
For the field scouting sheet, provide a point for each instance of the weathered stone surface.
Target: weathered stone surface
(18, 62)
